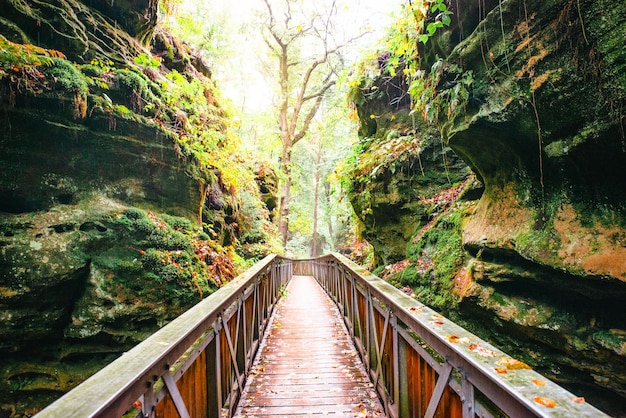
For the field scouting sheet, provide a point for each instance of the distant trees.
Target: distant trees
(301, 37)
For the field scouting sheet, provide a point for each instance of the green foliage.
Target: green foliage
(146, 60)
(15, 57)
(142, 93)
(446, 88)
(253, 214)
(442, 18)
(436, 93)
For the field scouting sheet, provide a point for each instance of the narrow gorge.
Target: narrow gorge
(487, 178)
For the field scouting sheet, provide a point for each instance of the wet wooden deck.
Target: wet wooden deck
(307, 364)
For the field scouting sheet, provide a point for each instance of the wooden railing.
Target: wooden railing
(421, 364)
(196, 365)
(424, 365)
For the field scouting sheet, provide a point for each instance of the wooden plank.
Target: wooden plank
(306, 363)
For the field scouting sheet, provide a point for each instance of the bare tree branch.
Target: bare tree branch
(311, 114)
(303, 82)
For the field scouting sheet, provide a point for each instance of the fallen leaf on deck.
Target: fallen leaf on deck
(500, 370)
(547, 402)
(538, 382)
(480, 350)
(512, 364)
(578, 399)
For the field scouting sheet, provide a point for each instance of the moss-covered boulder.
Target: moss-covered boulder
(82, 283)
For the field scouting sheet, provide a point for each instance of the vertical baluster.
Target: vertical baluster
(467, 397)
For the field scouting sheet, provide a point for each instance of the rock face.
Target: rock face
(114, 217)
(538, 261)
(50, 157)
(546, 136)
(398, 165)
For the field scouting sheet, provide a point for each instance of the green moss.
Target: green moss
(407, 277)
(140, 92)
(161, 262)
(608, 339)
(66, 77)
(438, 256)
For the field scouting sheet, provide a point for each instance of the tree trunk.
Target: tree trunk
(316, 198)
(285, 195)
(331, 233)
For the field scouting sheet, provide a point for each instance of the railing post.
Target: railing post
(148, 407)
(395, 367)
(356, 318)
(218, 369)
(402, 392)
(369, 329)
(213, 378)
(344, 297)
(467, 397)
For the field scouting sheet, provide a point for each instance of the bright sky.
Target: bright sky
(241, 77)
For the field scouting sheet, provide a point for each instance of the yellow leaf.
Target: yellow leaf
(512, 364)
(538, 382)
(299, 28)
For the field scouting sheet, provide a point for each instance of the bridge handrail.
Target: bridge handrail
(221, 334)
(114, 389)
(463, 361)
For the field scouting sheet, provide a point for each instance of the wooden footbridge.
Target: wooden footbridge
(296, 338)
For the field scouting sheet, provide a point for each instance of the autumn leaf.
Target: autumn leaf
(547, 402)
(454, 339)
(512, 364)
(578, 399)
(500, 370)
(482, 351)
(538, 382)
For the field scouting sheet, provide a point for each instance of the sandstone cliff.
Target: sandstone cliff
(122, 193)
(530, 95)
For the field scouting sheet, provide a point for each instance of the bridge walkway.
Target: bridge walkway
(307, 364)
